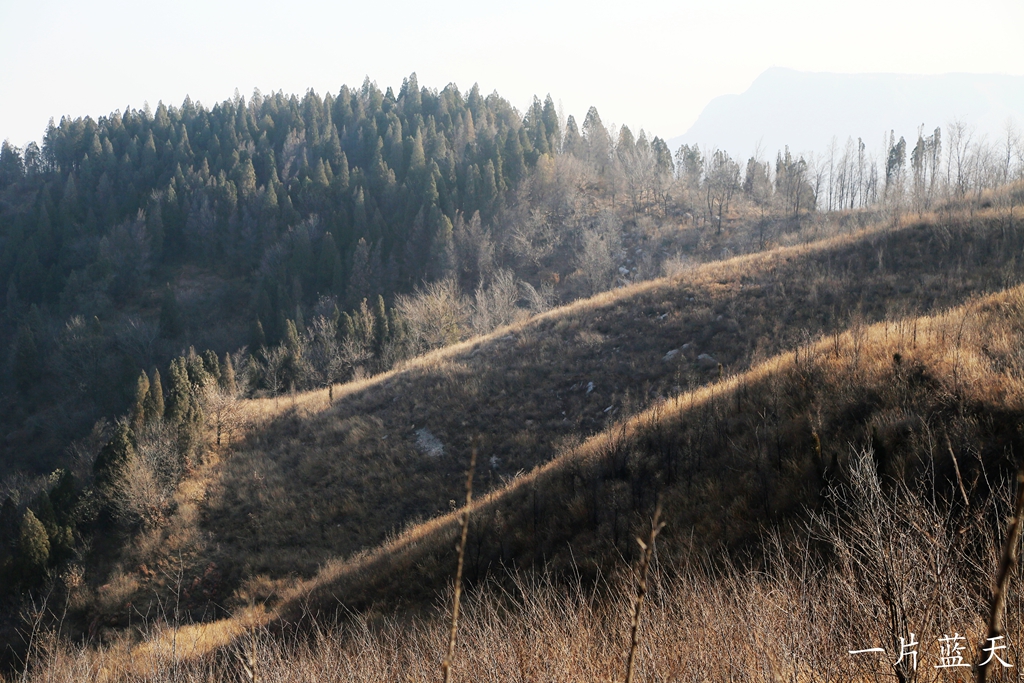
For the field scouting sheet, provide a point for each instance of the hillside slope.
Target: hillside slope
(936, 401)
(932, 403)
(313, 482)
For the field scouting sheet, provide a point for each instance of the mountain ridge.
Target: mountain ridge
(806, 109)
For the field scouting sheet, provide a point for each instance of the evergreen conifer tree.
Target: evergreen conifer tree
(111, 462)
(42, 506)
(65, 496)
(154, 405)
(211, 365)
(341, 174)
(33, 549)
(294, 362)
(362, 279)
(139, 417)
(179, 393)
(572, 142)
(198, 376)
(259, 339)
(346, 328)
(184, 409)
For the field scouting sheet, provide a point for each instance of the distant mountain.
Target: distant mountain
(805, 110)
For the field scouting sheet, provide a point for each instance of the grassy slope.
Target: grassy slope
(735, 458)
(725, 459)
(311, 483)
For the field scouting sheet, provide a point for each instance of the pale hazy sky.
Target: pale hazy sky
(644, 63)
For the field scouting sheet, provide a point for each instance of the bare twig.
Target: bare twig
(646, 552)
(959, 479)
(37, 617)
(446, 665)
(1006, 563)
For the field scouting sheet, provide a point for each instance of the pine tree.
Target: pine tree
(198, 376)
(551, 125)
(245, 177)
(65, 496)
(179, 393)
(258, 338)
(293, 371)
(319, 175)
(184, 409)
(139, 417)
(42, 506)
(442, 248)
(33, 549)
(155, 399)
(211, 365)
(109, 469)
(332, 150)
(341, 174)
(363, 279)
(515, 158)
(572, 142)
(347, 328)
(598, 141)
(11, 167)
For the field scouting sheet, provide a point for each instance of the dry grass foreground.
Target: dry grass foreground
(312, 484)
(855, 426)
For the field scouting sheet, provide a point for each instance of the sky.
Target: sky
(649, 64)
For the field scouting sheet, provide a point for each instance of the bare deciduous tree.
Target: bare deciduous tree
(721, 180)
(595, 257)
(437, 315)
(324, 351)
(497, 303)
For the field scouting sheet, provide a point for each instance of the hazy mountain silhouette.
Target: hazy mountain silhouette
(805, 110)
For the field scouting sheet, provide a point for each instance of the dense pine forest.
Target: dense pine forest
(127, 239)
(163, 267)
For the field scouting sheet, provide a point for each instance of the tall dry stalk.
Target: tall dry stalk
(646, 552)
(1007, 562)
(446, 665)
(249, 661)
(36, 616)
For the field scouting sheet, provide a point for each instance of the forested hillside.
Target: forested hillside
(231, 335)
(129, 238)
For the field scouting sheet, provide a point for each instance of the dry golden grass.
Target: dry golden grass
(320, 504)
(735, 457)
(510, 389)
(320, 507)
(795, 620)
(311, 482)
(730, 461)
